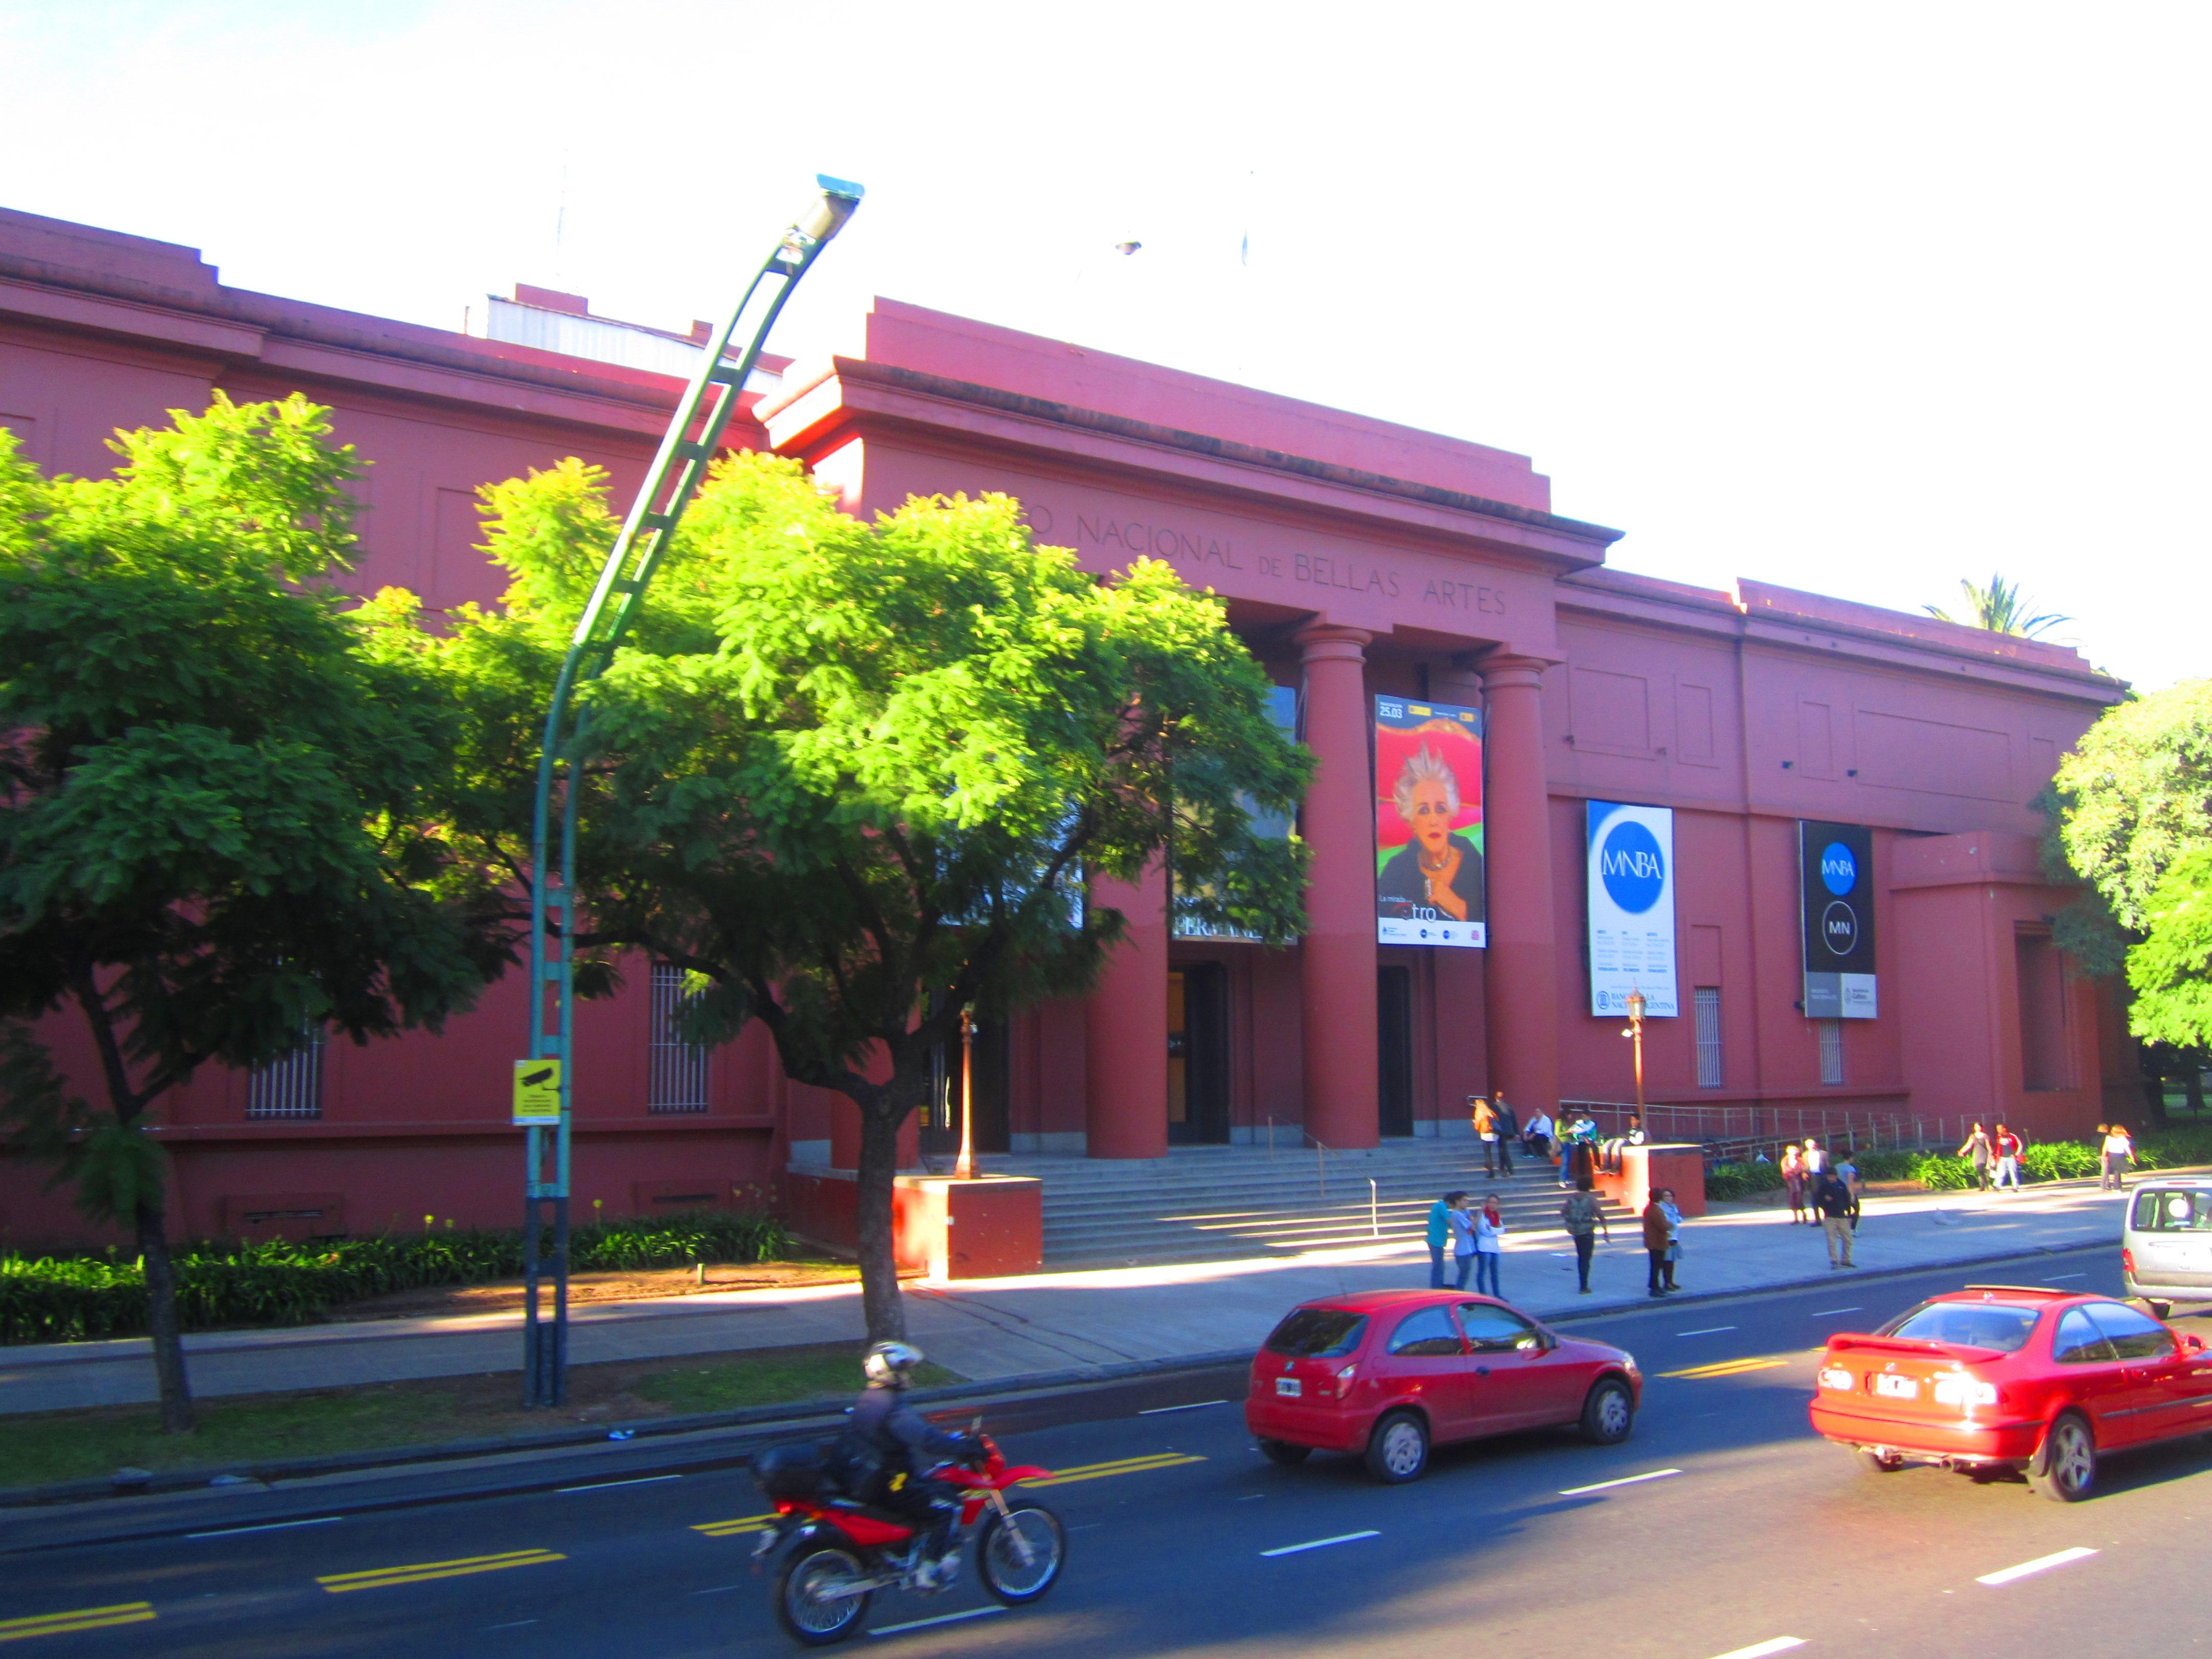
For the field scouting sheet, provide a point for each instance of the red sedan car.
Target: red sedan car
(1999, 1376)
(1388, 1373)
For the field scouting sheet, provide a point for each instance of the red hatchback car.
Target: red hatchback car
(1387, 1373)
(2000, 1376)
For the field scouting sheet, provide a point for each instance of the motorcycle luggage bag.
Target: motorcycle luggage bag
(800, 1469)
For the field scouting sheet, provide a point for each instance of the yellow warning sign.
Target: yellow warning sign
(537, 1091)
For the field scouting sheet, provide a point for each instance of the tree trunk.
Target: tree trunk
(161, 1319)
(880, 1291)
(2193, 1087)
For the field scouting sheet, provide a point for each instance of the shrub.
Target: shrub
(81, 1299)
(1731, 1181)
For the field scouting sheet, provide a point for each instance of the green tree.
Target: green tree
(210, 834)
(2132, 806)
(2001, 607)
(853, 777)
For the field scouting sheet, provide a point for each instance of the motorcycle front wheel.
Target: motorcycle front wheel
(814, 1599)
(1019, 1555)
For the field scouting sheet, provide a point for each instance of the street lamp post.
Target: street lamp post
(1635, 1034)
(678, 470)
(964, 1168)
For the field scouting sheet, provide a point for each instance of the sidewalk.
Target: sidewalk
(989, 1329)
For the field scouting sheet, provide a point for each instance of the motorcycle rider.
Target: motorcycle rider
(910, 1446)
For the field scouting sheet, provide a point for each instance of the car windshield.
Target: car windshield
(1968, 1324)
(1318, 1333)
(2171, 1211)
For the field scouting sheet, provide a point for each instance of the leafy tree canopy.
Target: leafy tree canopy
(210, 788)
(2171, 970)
(855, 777)
(2136, 793)
(2001, 607)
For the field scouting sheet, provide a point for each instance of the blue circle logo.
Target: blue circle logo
(1839, 870)
(1630, 865)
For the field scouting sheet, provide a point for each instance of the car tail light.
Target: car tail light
(1344, 1376)
(1957, 1388)
(1836, 1377)
(2127, 1262)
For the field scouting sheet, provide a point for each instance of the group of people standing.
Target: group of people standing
(2001, 1150)
(1823, 1192)
(1475, 1237)
(1572, 1142)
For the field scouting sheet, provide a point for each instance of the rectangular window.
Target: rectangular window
(1710, 1074)
(1831, 1050)
(2046, 1045)
(291, 1087)
(678, 1079)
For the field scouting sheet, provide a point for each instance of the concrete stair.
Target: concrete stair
(1220, 1203)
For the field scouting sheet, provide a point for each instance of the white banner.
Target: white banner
(1632, 908)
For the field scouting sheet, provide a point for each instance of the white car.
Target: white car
(2165, 1248)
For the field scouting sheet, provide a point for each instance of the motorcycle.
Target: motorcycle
(840, 1552)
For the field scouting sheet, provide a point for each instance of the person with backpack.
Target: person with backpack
(885, 1439)
(1583, 1214)
(2009, 1146)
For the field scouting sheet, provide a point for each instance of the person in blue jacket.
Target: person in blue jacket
(1440, 1214)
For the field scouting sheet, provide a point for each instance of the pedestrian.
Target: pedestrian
(1658, 1244)
(1847, 1171)
(1838, 1208)
(1485, 1130)
(1673, 1215)
(1977, 1148)
(2119, 1153)
(1509, 1129)
(1584, 1214)
(1816, 1159)
(1440, 1235)
(1489, 1248)
(2009, 1146)
(1793, 1182)
(1462, 1239)
(1537, 1134)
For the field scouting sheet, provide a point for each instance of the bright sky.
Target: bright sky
(1859, 299)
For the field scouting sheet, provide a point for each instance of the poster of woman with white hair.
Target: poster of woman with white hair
(1428, 824)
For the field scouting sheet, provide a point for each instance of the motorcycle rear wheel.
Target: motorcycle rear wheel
(1019, 1555)
(809, 1615)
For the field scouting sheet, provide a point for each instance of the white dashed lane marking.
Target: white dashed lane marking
(2041, 1564)
(1322, 1543)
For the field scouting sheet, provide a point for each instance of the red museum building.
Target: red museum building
(1358, 559)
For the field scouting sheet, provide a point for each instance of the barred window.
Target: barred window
(677, 1079)
(1831, 1050)
(291, 1087)
(1710, 1074)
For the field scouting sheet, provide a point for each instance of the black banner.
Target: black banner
(1835, 868)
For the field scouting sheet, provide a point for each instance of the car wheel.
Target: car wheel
(1609, 1412)
(1398, 1448)
(1283, 1452)
(2064, 1466)
(1877, 1462)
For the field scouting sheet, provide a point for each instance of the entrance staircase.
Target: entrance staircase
(1223, 1203)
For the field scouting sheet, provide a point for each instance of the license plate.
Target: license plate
(1897, 1388)
(1290, 1386)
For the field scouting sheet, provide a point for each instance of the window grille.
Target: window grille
(291, 1087)
(676, 1080)
(1709, 1075)
(1831, 1050)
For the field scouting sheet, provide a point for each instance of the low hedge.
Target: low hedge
(2048, 1160)
(78, 1299)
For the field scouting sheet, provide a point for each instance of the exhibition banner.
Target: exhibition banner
(1428, 824)
(1835, 875)
(1632, 908)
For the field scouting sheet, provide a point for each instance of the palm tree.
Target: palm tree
(2000, 607)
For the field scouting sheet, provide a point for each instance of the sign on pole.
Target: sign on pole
(536, 1093)
(1835, 875)
(1428, 824)
(1632, 908)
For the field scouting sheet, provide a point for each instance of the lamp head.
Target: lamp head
(1636, 1005)
(826, 214)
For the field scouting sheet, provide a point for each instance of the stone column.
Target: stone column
(1522, 972)
(1126, 1107)
(1337, 957)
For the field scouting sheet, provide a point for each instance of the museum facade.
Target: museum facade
(1803, 829)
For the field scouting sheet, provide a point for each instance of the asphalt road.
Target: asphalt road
(1755, 1533)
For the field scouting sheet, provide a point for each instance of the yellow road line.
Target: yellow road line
(60, 1623)
(745, 1523)
(1733, 1367)
(337, 1583)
